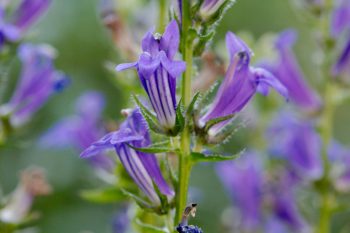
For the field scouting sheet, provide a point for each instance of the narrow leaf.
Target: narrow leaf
(108, 195)
(192, 104)
(215, 121)
(152, 149)
(142, 203)
(200, 157)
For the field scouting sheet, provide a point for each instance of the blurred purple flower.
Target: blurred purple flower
(284, 203)
(341, 24)
(274, 225)
(343, 62)
(340, 17)
(287, 70)
(243, 179)
(121, 221)
(297, 141)
(158, 72)
(12, 27)
(38, 81)
(81, 129)
(340, 157)
(240, 84)
(142, 167)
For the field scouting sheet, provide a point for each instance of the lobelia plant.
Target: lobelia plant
(150, 156)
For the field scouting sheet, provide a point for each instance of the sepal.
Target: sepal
(160, 147)
(149, 117)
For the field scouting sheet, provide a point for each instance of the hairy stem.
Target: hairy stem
(184, 161)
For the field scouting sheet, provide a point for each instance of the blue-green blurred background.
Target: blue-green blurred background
(84, 45)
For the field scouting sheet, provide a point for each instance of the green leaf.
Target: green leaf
(149, 117)
(154, 148)
(200, 157)
(215, 121)
(141, 202)
(107, 195)
(180, 120)
(203, 40)
(192, 104)
(151, 228)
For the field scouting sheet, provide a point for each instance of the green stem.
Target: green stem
(326, 126)
(185, 164)
(162, 15)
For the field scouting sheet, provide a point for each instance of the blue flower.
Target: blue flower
(81, 129)
(241, 82)
(158, 72)
(38, 81)
(142, 167)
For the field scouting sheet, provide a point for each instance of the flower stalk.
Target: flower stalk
(185, 165)
(326, 125)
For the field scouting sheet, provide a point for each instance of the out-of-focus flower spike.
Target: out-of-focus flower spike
(121, 221)
(243, 180)
(33, 183)
(298, 141)
(82, 129)
(158, 72)
(287, 70)
(142, 167)
(343, 62)
(340, 18)
(38, 81)
(28, 11)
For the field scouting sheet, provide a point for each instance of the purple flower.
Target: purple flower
(142, 167)
(274, 225)
(12, 27)
(287, 70)
(121, 221)
(210, 7)
(340, 157)
(158, 72)
(284, 203)
(343, 62)
(340, 24)
(81, 130)
(340, 18)
(243, 179)
(297, 141)
(38, 81)
(240, 84)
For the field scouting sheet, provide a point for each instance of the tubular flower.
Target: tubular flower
(284, 204)
(23, 16)
(340, 156)
(210, 7)
(38, 81)
(298, 142)
(340, 18)
(158, 72)
(81, 129)
(33, 183)
(240, 84)
(142, 167)
(340, 25)
(243, 180)
(287, 70)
